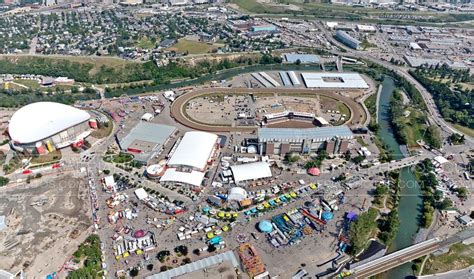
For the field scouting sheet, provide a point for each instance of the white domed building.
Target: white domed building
(46, 126)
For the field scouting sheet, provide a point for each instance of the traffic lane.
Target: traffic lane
(467, 273)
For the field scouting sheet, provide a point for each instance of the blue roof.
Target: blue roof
(297, 135)
(304, 58)
(265, 226)
(285, 79)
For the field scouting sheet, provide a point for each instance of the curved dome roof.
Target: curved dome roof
(40, 120)
(265, 226)
(237, 193)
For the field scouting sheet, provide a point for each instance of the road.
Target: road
(405, 255)
(433, 114)
(405, 162)
(466, 273)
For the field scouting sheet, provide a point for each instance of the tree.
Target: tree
(456, 138)
(462, 192)
(358, 159)
(182, 250)
(433, 137)
(361, 230)
(445, 204)
(4, 181)
(134, 272)
(211, 248)
(373, 126)
(162, 255)
(381, 190)
(292, 158)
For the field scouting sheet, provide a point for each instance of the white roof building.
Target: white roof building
(147, 116)
(141, 194)
(251, 171)
(237, 194)
(38, 121)
(334, 80)
(366, 28)
(194, 151)
(440, 160)
(193, 178)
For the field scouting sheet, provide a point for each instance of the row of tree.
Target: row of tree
(455, 105)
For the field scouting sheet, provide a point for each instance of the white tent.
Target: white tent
(147, 116)
(237, 194)
(252, 171)
(440, 160)
(191, 178)
(194, 150)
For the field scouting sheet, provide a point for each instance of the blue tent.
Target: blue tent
(327, 216)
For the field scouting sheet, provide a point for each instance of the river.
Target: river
(410, 193)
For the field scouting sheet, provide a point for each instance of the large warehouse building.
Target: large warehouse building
(334, 80)
(46, 126)
(146, 140)
(347, 39)
(190, 158)
(281, 141)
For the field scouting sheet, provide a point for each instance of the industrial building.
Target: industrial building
(334, 80)
(46, 126)
(303, 58)
(146, 140)
(281, 141)
(190, 157)
(264, 28)
(347, 39)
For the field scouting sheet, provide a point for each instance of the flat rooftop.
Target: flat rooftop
(334, 80)
(298, 135)
(146, 138)
(304, 58)
(198, 266)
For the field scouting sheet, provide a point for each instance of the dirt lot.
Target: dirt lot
(46, 222)
(226, 109)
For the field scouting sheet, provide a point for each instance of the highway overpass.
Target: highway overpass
(408, 254)
(391, 166)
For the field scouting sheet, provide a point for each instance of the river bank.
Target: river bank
(410, 193)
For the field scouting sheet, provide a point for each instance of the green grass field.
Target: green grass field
(414, 129)
(32, 84)
(96, 61)
(459, 256)
(145, 43)
(370, 103)
(193, 47)
(466, 130)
